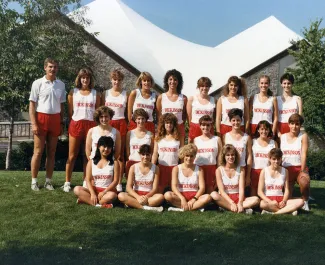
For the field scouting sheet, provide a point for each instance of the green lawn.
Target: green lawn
(50, 228)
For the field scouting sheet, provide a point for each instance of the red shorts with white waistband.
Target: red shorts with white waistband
(149, 125)
(119, 125)
(129, 163)
(165, 178)
(283, 127)
(141, 193)
(100, 189)
(209, 176)
(234, 197)
(227, 128)
(276, 198)
(294, 172)
(49, 124)
(195, 130)
(79, 129)
(189, 195)
(255, 176)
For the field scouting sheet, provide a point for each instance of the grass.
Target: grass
(50, 228)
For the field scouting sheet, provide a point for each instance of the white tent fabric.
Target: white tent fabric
(149, 48)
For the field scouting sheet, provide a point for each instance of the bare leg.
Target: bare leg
(173, 199)
(292, 205)
(39, 141)
(201, 202)
(121, 159)
(268, 207)
(109, 197)
(220, 201)
(251, 202)
(129, 200)
(304, 184)
(291, 187)
(74, 147)
(51, 143)
(156, 200)
(83, 194)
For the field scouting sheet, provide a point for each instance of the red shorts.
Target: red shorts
(195, 130)
(79, 129)
(255, 176)
(253, 129)
(139, 192)
(129, 163)
(149, 125)
(119, 125)
(181, 129)
(189, 195)
(283, 127)
(49, 124)
(165, 178)
(209, 175)
(234, 197)
(100, 189)
(294, 172)
(227, 128)
(276, 198)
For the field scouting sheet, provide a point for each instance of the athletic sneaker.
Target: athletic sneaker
(35, 187)
(107, 205)
(201, 210)
(66, 187)
(48, 185)
(151, 208)
(249, 211)
(79, 201)
(306, 206)
(119, 188)
(295, 213)
(266, 212)
(222, 209)
(174, 209)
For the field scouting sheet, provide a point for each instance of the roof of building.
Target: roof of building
(150, 48)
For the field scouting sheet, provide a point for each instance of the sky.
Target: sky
(210, 22)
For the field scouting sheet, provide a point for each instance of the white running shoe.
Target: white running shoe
(249, 211)
(295, 213)
(119, 188)
(266, 212)
(306, 206)
(201, 210)
(35, 187)
(151, 208)
(66, 187)
(48, 185)
(174, 209)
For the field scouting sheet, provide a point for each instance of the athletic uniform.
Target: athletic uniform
(48, 97)
(175, 107)
(95, 137)
(188, 186)
(167, 160)
(240, 146)
(231, 185)
(118, 104)
(143, 184)
(103, 177)
(206, 158)
(260, 160)
(273, 187)
(225, 125)
(285, 110)
(199, 110)
(291, 159)
(148, 105)
(261, 111)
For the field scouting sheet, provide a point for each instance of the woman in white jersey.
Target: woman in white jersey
(234, 96)
(172, 101)
(231, 184)
(137, 137)
(82, 102)
(142, 184)
(167, 145)
(208, 150)
(198, 106)
(116, 99)
(263, 106)
(241, 141)
(101, 176)
(262, 144)
(143, 98)
(294, 146)
(288, 103)
(273, 180)
(187, 183)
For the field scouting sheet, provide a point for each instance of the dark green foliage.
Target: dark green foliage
(316, 165)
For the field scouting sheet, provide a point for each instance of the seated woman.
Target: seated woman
(142, 184)
(231, 184)
(102, 175)
(187, 183)
(273, 180)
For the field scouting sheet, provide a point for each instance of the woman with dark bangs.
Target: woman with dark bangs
(167, 144)
(173, 101)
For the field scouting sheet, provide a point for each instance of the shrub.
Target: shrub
(316, 165)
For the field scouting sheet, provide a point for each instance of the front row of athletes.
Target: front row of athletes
(187, 184)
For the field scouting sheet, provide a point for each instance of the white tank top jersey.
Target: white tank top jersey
(207, 151)
(186, 184)
(168, 152)
(240, 146)
(261, 154)
(103, 177)
(291, 152)
(135, 144)
(274, 186)
(199, 110)
(262, 111)
(143, 182)
(287, 108)
(95, 137)
(173, 107)
(83, 106)
(147, 104)
(118, 104)
(231, 185)
(227, 106)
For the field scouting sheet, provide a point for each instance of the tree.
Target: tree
(310, 76)
(42, 30)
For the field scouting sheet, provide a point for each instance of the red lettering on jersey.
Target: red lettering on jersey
(168, 149)
(102, 177)
(113, 104)
(144, 106)
(205, 150)
(173, 110)
(136, 146)
(260, 110)
(291, 152)
(144, 183)
(188, 186)
(203, 112)
(286, 111)
(231, 187)
(261, 155)
(274, 187)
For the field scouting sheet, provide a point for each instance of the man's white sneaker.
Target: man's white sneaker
(266, 212)
(48, 185)
(305, 207)
(295, 213)
(174, 209)
(249, 211)
(119, 188)
(156, 209)
(35, 187)
(66, 187)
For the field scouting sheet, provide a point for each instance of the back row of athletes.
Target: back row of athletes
(48, 94)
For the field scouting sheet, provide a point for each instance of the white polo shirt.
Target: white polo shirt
(48, 95)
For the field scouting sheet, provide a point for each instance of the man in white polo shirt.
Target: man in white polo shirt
(46, 114)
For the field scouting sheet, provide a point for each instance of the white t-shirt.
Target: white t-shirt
(176, 107)
(191, 183)
(274, 186)
(118, 104)
(231, 185)
(227, 106)
(143, 182)
(135, 144)
(83, 106)
(199, 110)
(291, 152)
(168, 152)
(103, 177)
(207, 151)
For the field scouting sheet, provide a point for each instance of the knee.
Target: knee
(72, 157)
(77, 190)
(122, 196)
(215, 196)
(256, 200)
(168, 196)
(304, 182)
(263, 204)
(300, 203)
(207, 198)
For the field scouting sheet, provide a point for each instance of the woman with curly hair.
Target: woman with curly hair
(167, 144)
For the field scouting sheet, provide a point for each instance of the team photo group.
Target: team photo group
(241, 154)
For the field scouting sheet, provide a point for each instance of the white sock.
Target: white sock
(67, 182)
(34, 180)
(48, 180)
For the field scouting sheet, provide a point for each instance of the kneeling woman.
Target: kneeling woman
(187, 183)
(102, 175)
(142, 184)
(273, 180)
(231, 183)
